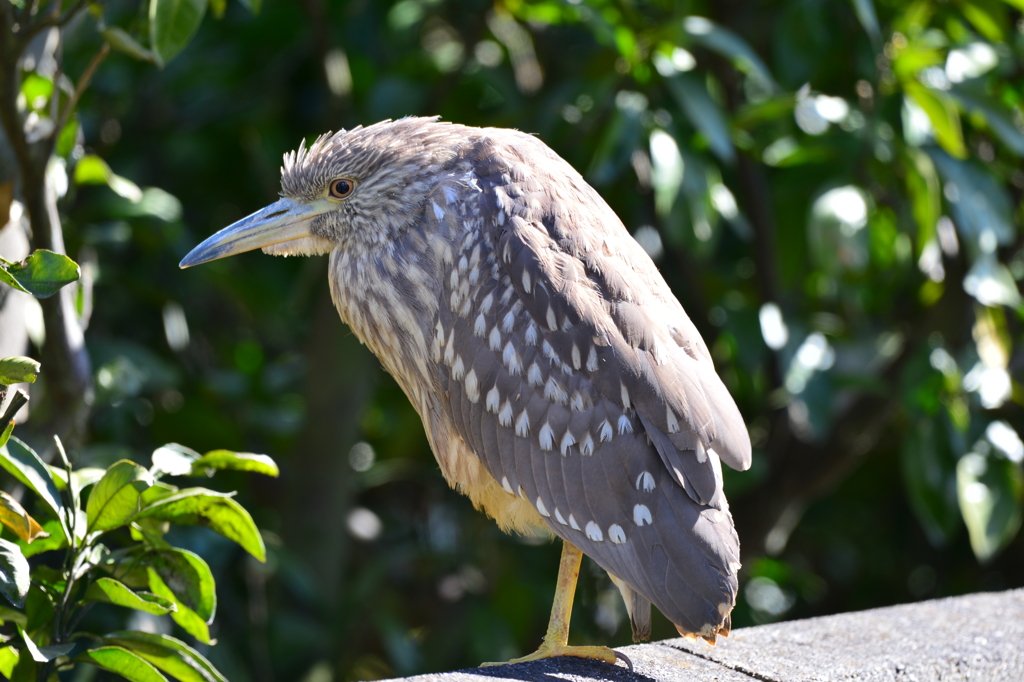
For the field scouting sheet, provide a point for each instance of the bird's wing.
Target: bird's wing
(584, 389)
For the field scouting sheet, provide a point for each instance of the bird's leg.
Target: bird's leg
(556, 640)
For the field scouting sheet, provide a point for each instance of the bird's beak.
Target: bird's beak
(281, 221)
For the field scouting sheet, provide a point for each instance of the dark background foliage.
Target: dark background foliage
(832, 189)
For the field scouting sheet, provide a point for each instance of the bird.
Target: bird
(561, 385)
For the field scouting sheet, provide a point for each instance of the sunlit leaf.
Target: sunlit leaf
(115, 499)
(80, 478)
(17, 369)
(667, 170)
(55, 539)
(8, 659)
(184, 616)
(173, 459)
(216, 511)
(987, 17)
(42, 274)
(114, 592)
(172, 23)
(237, 461)
(122, 662)
(170, 655)
(14, 516)
(24, 464)
(46, 653)
(188, 578)
(14, 573)
(92, 170)
(991, 494)
(37, 89)
(943, 116)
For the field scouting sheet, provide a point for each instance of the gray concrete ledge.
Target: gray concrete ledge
(975, 637)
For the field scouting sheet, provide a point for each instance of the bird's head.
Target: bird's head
(358, 189)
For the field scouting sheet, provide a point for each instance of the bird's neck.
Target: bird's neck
(389, 293)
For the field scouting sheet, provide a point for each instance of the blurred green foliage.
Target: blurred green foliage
(833, 189)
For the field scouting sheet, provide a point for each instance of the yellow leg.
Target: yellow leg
(556, 640)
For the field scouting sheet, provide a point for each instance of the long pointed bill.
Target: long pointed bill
(282, 221)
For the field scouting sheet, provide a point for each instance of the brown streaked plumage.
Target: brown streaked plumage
(560, 383)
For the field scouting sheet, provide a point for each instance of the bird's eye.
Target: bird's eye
(341, 188)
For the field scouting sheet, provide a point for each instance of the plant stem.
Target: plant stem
(83, 83)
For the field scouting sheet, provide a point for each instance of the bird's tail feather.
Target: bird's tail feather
(638, 607)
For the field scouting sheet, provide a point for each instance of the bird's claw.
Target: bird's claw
(551, 650)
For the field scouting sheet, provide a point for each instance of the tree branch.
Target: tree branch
(68, 372)
(83, 83)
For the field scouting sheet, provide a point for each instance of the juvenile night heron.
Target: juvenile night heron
(560, 383)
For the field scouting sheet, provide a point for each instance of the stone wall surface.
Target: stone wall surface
(974, 637)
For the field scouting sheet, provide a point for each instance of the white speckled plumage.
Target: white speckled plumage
(502, 292)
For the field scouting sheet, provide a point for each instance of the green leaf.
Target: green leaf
(929, 459)
(24, 464)
(172, 23)
(979, 205)
(122, 662)
(68, 138)
(170, 655)
(80, 478)
(708, 34)
(92, 170)
(14, 516)
(925, 193)
(218, 7)
(867, 17)
(998, 119)
(216, 511)
(173, 459)
(991, 493)
(238, 461)
(667, 170)
(46, 653)
(188, 619)
(93, 556)
(158, 491)
(14, 573)
(54, 539)
(9, 615)
(114, 592)
(42, 274)
(5, 435)
(188, 578)
(115, 499)
(943, 115)
(8, 659)
(122, 41)
(693, 98)
(17, 369)
(39, 604)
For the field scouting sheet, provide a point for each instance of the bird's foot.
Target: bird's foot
(552, 649)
